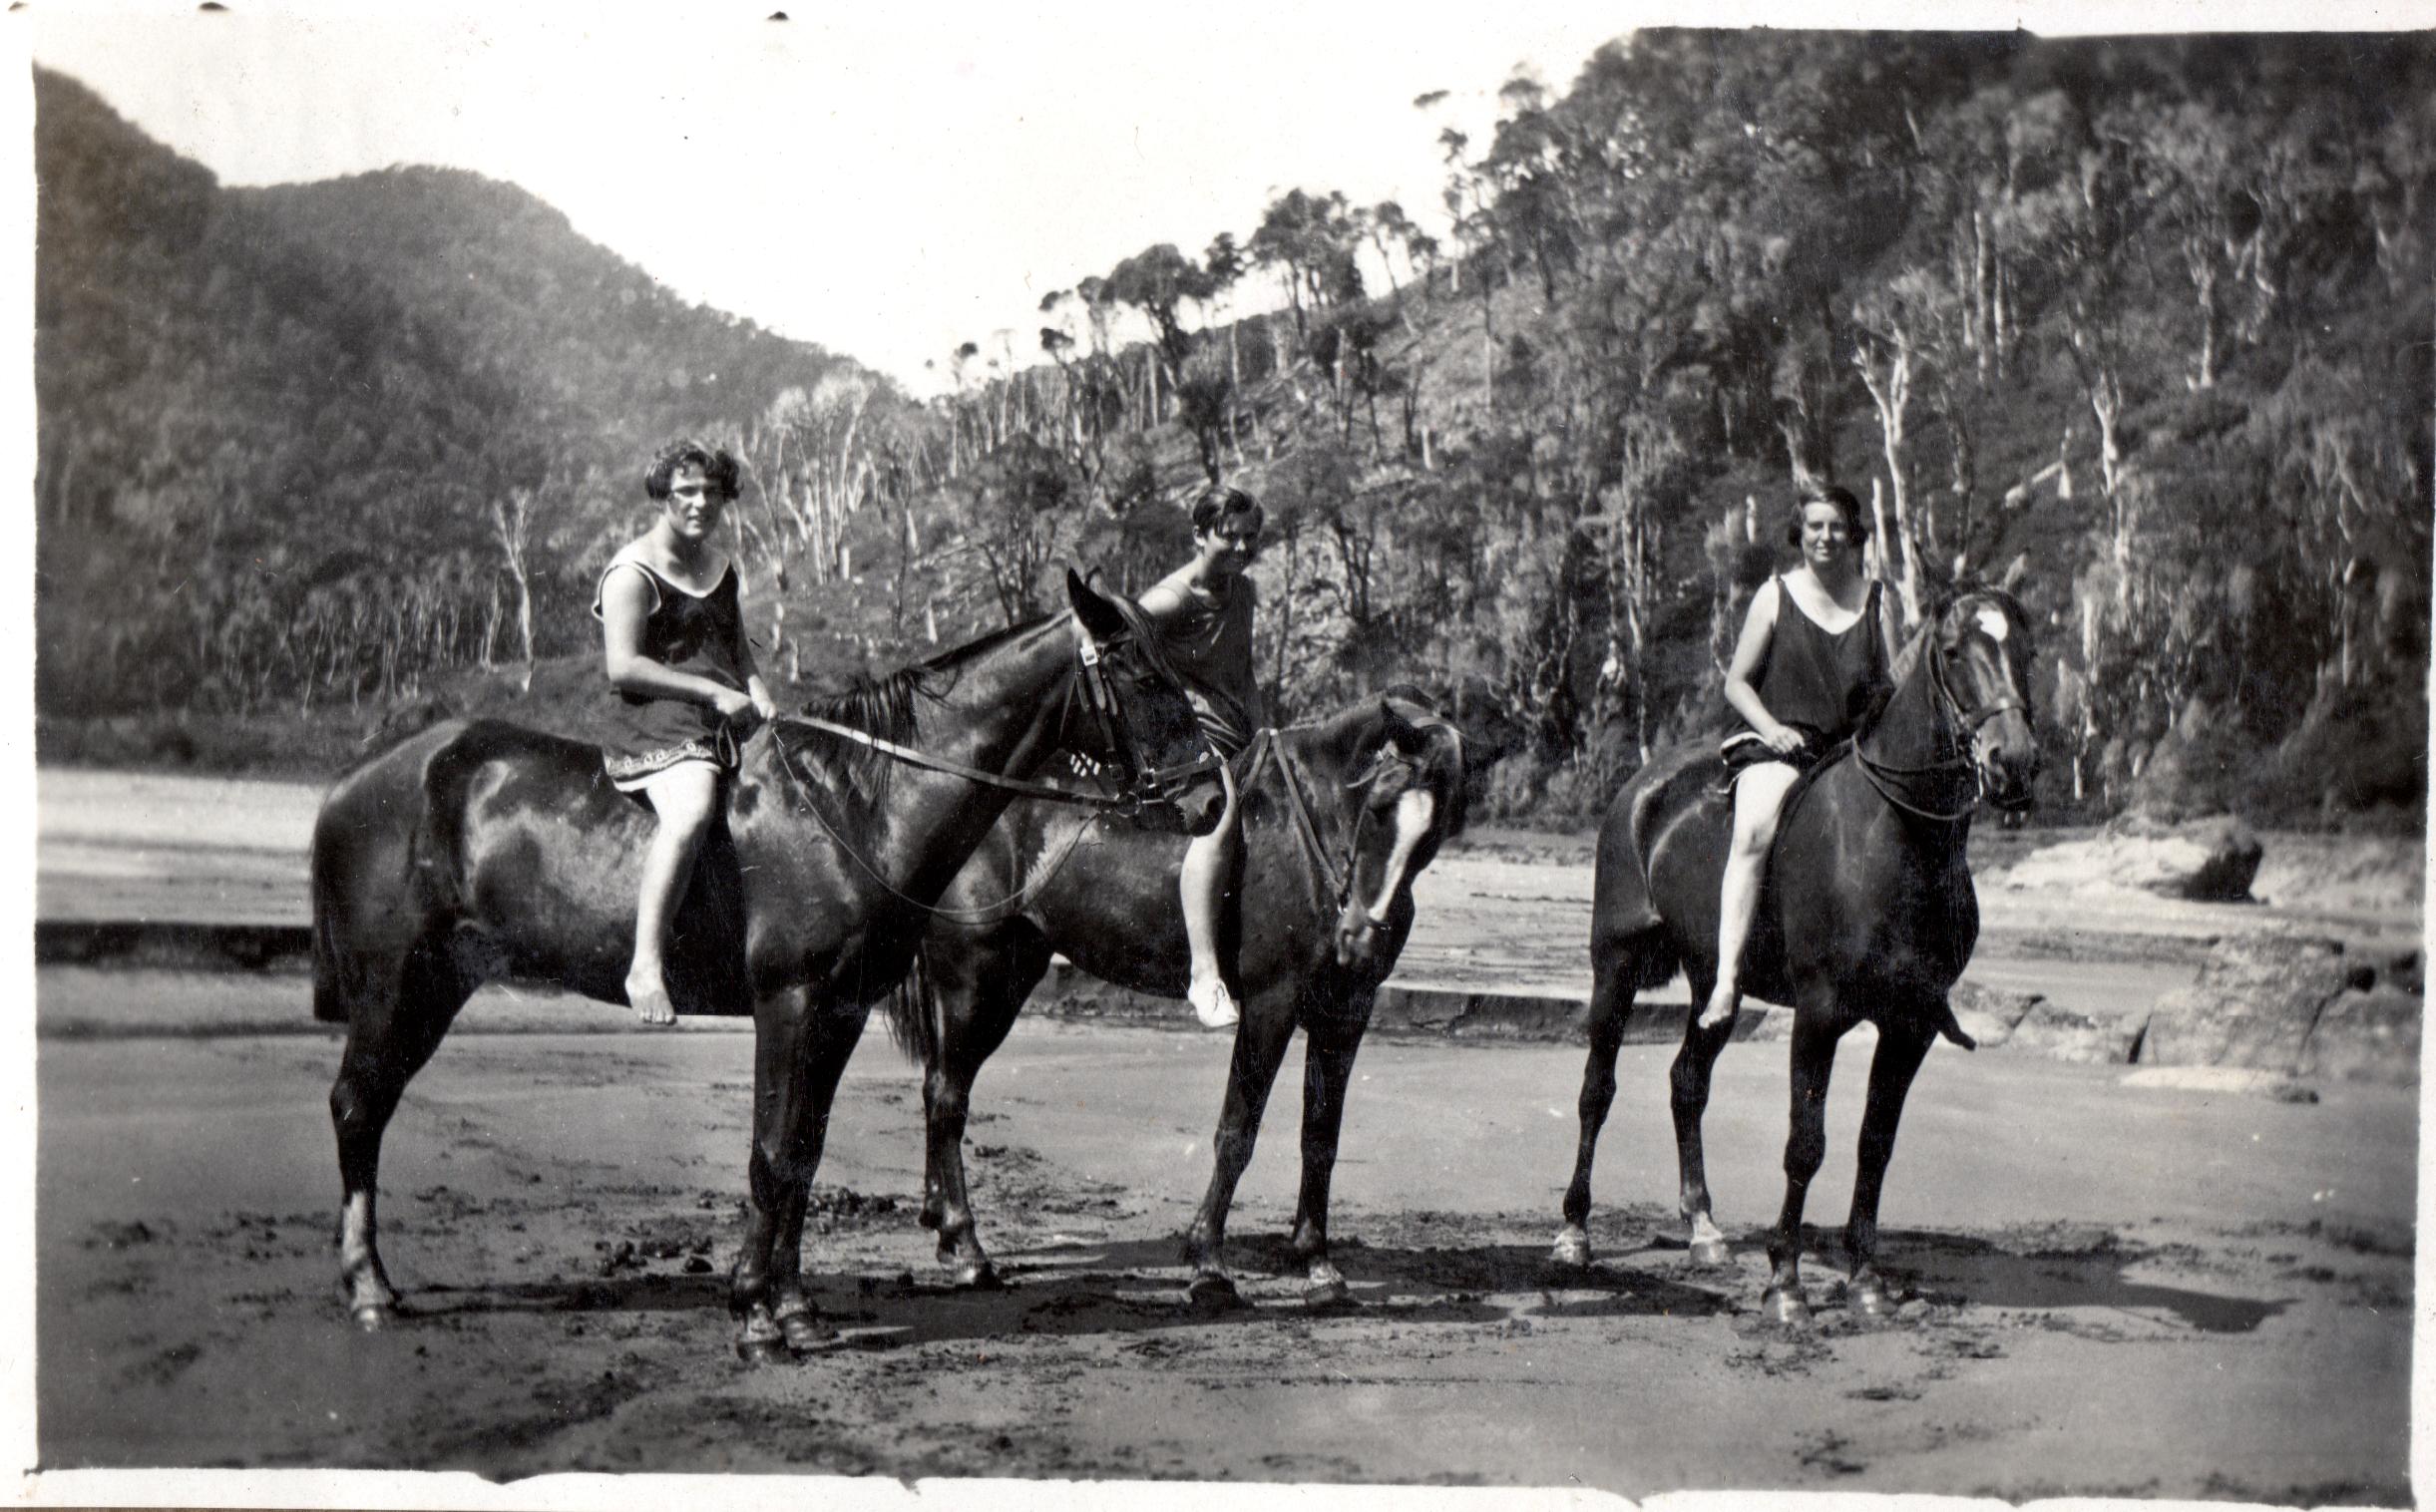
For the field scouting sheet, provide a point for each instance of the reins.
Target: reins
(1336, 885)
(1143, 785)
(1949, 713)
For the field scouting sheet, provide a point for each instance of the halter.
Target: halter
(1951, 714)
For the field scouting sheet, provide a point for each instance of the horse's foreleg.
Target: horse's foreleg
(1814, 1062)
(976, 1014)
(1260, 1047)
(1899, 1053)
(1611, 995)
(801, 1045)
(387, 1044)
(1328, 1065)
(1688, 1093)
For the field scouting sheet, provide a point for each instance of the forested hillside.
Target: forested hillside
(2143, 325)
(320, 441)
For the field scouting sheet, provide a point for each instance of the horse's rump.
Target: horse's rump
(404, 866)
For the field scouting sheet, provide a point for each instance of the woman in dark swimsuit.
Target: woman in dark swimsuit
(1812, 662)
(683, 690)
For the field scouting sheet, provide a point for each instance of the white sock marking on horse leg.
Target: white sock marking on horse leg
(1414, 812)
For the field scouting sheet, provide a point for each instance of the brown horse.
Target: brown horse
(474, 850)
(1338, 817)
(1867, 915)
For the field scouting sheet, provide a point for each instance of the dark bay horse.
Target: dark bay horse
(1337, 816)
(477, 850)
(1867, 915)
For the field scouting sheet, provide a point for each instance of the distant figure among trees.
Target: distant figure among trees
(1204, 610)
(682, 688)
(1813, 662)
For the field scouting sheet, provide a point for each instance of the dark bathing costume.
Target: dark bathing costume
(1821, 684)
(642, 734)
(1211, 646)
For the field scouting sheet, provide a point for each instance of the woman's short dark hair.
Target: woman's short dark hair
(719, 468)
(1218, 501)
(1855, 523)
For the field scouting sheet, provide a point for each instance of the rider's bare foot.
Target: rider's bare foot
(650, 997)
(1212, 1003)
(1719, 1009)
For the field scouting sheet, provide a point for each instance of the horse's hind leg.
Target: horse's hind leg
(387, 1042)
(1611, 996)
(1260, 1047)
(1899, 1053)
(1813, 1062)
(1328, 1065)
(1688, 1091)
(977, 1009)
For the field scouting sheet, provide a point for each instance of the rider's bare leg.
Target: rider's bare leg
(1759, 792)
(1209, 861)
(684, 798)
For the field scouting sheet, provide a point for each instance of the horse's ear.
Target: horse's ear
(1101, 620)
(2016, 573)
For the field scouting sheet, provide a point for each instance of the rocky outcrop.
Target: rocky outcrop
(2263, 1002)
(2208, 861)
(2371, 1035)
(2059, 1033)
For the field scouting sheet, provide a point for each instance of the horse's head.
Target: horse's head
(1408, 773)
(1984, 660)
(1133, 719)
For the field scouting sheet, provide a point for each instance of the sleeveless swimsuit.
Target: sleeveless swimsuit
(1821, 684)
(645, 734)
(1211, 647)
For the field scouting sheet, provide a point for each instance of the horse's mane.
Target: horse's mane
(889, 705)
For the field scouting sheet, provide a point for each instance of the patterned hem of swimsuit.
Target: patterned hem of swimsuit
(627, 768)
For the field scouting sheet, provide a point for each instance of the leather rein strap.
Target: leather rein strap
(1950, 712)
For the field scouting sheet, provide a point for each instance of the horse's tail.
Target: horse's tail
(913, 1010)
(1951, 1028)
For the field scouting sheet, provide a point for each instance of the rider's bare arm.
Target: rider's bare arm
(1749, 653)
(625, 606)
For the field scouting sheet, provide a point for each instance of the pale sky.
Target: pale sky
(884, 187)
(887, 187)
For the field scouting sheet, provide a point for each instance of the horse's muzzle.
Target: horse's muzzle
(1360, 941)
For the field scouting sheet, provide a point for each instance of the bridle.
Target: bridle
(1335, 882)
(1136, 786)
(1958, 726)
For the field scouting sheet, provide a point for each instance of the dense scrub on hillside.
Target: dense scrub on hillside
(2145, 325)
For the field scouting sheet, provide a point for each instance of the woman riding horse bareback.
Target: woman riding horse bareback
(1865, 914)
(478, 850)
(1810, 666)
(1204, 611)
(1340, 815)
(682, 688)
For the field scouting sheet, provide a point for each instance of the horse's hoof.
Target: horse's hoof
(1329, 1296)
(1572, 1249)
(1786, 1309)
(764, 1351)
(375, 1316)
(1211, 1291)
(803, 1330)
(1868, 1300)
(1710, 1254)
(977, 1276)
